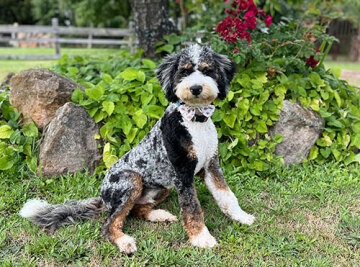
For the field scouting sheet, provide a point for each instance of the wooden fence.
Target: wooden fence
(56, 32)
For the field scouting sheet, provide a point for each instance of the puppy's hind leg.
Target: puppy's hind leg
(144, 207)
(119, 193)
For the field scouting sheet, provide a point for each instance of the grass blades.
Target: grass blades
(306, 215)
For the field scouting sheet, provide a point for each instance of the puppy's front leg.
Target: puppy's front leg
(224, 197)
(192, 215)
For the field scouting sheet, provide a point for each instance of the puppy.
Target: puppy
(181, 144)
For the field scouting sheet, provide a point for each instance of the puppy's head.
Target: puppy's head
(195, 75)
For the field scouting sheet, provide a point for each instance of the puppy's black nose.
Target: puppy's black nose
(196, 89)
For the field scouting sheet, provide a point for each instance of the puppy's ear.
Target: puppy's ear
(226, 70)
(166, 73)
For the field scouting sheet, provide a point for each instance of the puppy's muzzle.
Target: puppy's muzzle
(196, 89)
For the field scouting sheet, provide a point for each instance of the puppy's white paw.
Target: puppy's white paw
(244, 218)
(161, 216)
(126, 244)
(204, 239)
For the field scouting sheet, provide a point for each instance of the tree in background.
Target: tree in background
(89, 13)
(151, 19)
(12, 11)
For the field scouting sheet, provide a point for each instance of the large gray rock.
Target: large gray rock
(69, 143)
(38, 93)
(300, 128)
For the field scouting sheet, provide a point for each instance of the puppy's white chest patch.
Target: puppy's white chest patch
(204, 139)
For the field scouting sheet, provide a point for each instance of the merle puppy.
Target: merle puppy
(182, 143)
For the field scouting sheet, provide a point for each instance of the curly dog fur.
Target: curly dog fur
(176, 149)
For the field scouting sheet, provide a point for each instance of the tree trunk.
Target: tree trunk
(151, 20)
(355, 47)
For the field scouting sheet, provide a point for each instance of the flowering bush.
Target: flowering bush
(277, 62)
(243, 16)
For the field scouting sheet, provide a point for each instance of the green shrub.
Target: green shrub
(121, 94)
(18, 142)
(276, 62)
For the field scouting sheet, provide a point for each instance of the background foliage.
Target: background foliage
(275, 62)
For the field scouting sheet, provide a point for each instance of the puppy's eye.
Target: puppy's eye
(187, 71)
(207, 71)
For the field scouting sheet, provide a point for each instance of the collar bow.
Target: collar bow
(189, 112)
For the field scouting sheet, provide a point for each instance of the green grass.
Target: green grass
(344, 65)
(7, 66)
(306, 215)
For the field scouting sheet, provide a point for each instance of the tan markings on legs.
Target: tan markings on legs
(201, 173)
(193, 222)
(216, 174)
(143, 210)
(115, 227)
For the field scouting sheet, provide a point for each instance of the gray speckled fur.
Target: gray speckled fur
(148, 159)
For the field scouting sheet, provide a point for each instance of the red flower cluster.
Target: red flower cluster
(311, 60)
(242, 16)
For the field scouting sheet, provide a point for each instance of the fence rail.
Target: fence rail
(25, 33)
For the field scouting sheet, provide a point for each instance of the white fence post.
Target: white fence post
(55, 25)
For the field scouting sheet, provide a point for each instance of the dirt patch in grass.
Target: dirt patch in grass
(351, 76)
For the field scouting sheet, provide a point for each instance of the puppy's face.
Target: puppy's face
(195, 76)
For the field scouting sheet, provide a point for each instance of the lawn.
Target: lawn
(351, 70)
(306, 215)
(7, 66)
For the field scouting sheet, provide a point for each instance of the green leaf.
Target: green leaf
(129, 74)
(130, 137)
(356, 127)
(140, 118)
(106, 78)
(325, 152)
(73, 70)
(154, 111)
(230, 119)
(168, 48)
(5, 132)
(278, 138)
(233, 143)
(314, 152)
(337, 71)
(261, 127)
(108, 107)
(230, 96)
(336, 154)
(30, 130)
(126, 124)
(31, 162)
(141, 76)
(148, 63)
(324, 113)
(356, 140)
(6, 163)
(337, 98)
(95, 93)
(77, 96)
(280, 90)
(108, 157)
(99, 116)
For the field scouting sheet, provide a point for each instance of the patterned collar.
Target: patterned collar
(189, 112)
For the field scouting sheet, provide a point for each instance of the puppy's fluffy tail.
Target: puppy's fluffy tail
(53, 216)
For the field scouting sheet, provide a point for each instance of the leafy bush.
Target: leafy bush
(275, 62)
(18, 143)
(121, 94)
(282, 62)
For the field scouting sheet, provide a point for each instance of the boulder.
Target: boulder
(6, 82)
(38, 93)
(300, 128)
(69, 144)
